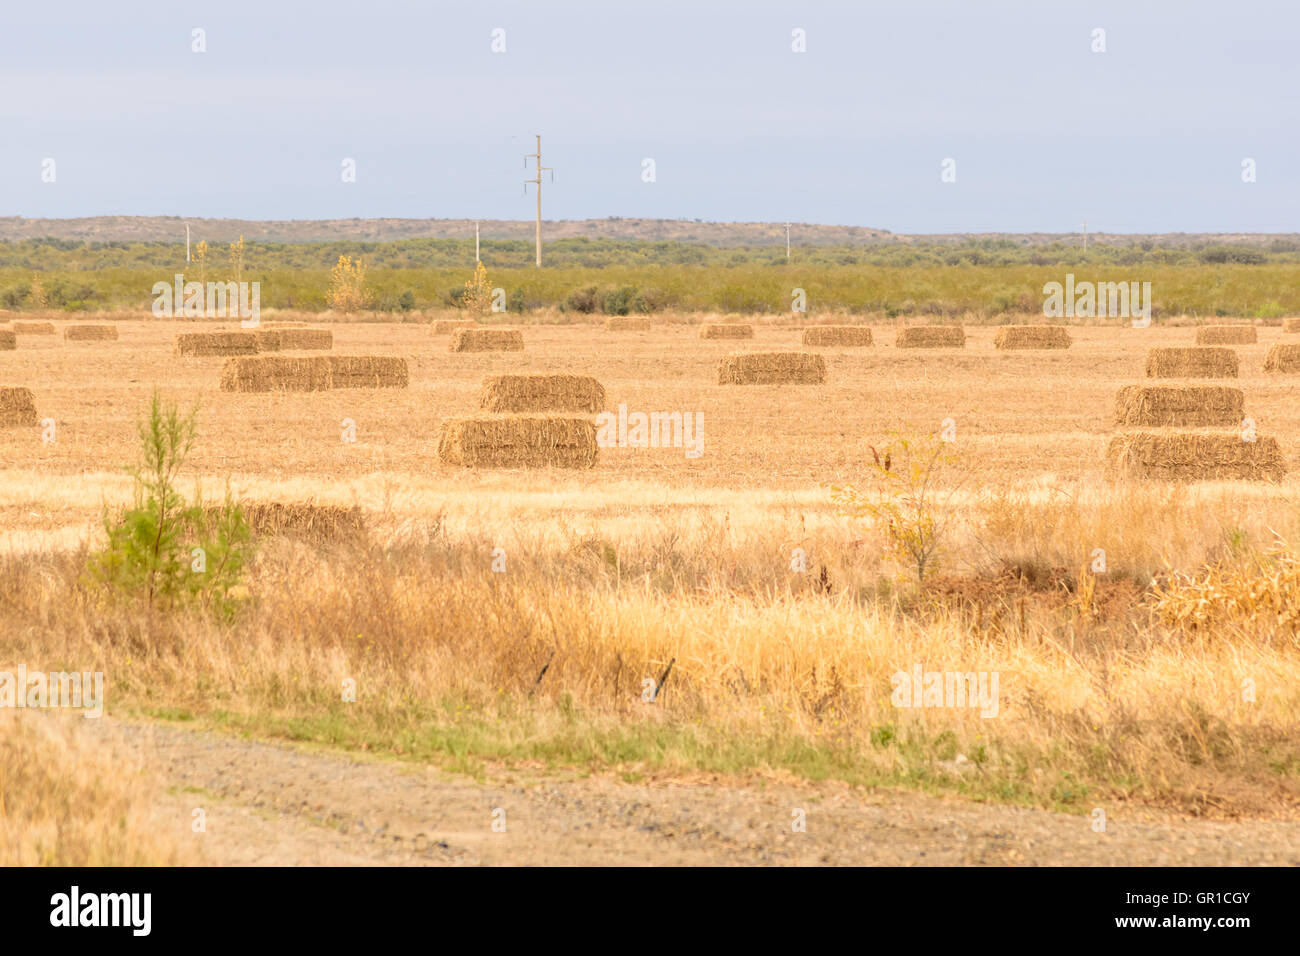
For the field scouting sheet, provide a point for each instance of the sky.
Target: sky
(1044, 132)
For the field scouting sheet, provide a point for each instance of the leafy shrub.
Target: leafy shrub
(583, 300)
(624, 300)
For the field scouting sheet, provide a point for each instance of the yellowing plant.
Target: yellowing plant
(478, 292)
(347, 285)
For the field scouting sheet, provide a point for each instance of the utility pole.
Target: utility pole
(476, 258)
(538, 183)
(787, 242)
(187, 242)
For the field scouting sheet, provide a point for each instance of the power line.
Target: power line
(538, 183)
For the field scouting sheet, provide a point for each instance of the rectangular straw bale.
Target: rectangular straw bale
(1193, 456)
(519, 441)
(447, 326)
(216, 343)
(368, 371)
(1191, 362)
(1179, 406)
(931, 337)
(1032, 337)
(17, 406)
(8, 341)
(90, 333)
(276, 373)
(320, 524)
(1288, 325)
(542, 393)
(772, 368)
(628, 323)
(268, 340)
(847, 335)
(34, 328)
(1226, 335)
(1282, 358)
(306, 339)
(726, 330)
(487, 340)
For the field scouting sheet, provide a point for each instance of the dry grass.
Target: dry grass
(1195, 362)
(772, 368)
(628, 323)
(487, 340)
(931, 337)
(1194, 456)
(542, 393)
(368, 371)
(1032, 337)
(829, 335)
(1226, 335)
(1187, 406)
(276, 373)
(735, 330)
(217, 343)
(1283, 358)
(90, 333)
(17, 406)
(518, 441)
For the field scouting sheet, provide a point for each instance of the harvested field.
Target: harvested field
(1282, 358)
(827, 335)
(772, 368)
(90, 333)
(519, 441)
(487, 340)
(34, 328)
(17, 406)
(726, 330)
(931, 337)
(306, 339)
(216, 343)
(542, 393)
(1032, 337)
(1180, 406)
(447, 326)
(628, 323)
(1193, 456)
(368, 371)
(276, 373)
(8, 341)
(1226, 335)
(1193, 362)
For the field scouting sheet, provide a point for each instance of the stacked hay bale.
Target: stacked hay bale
(368, 371)
(1189, 432)
(90, 333)
(34, 328)
(628, 323)
(216, 343)
(268, 340)
(519, 441)
(1282, 358)
(447, 326)
(728, 330)
(542, 393)
(1288, 325)
(487, 340)
(1032, 337)
(276, 373)
(306, 339)
(17, 406)
(848, 335)
(772, 368)
(1226, 335)
(8, 341)
(931, 337)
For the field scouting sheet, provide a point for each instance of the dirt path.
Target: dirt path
(280, 805)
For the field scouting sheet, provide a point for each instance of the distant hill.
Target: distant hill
(172, 228)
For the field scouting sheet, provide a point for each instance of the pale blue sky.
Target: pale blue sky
(1146, 137)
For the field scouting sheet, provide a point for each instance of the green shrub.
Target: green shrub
(581, 300)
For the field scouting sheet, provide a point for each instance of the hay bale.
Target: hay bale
(216, 343)
(1282, 358)
(1179, 406)
(276, 373)
(772, 368)
(1032, 337)
(368, 371)
(447, 326)
(1191, 362)
(628, 323)
(519, 441)
(1226, 335)
(487, 340)
(305, 339)
(34, 328)
(851, 335)
(90, 333)
(8, 341)
(931, 337)
(284, 324)
(727, 330)
(268, 340)
(542, 393)
(17, 406)
(319, 524)
(1288, 325)
(1193, 456)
